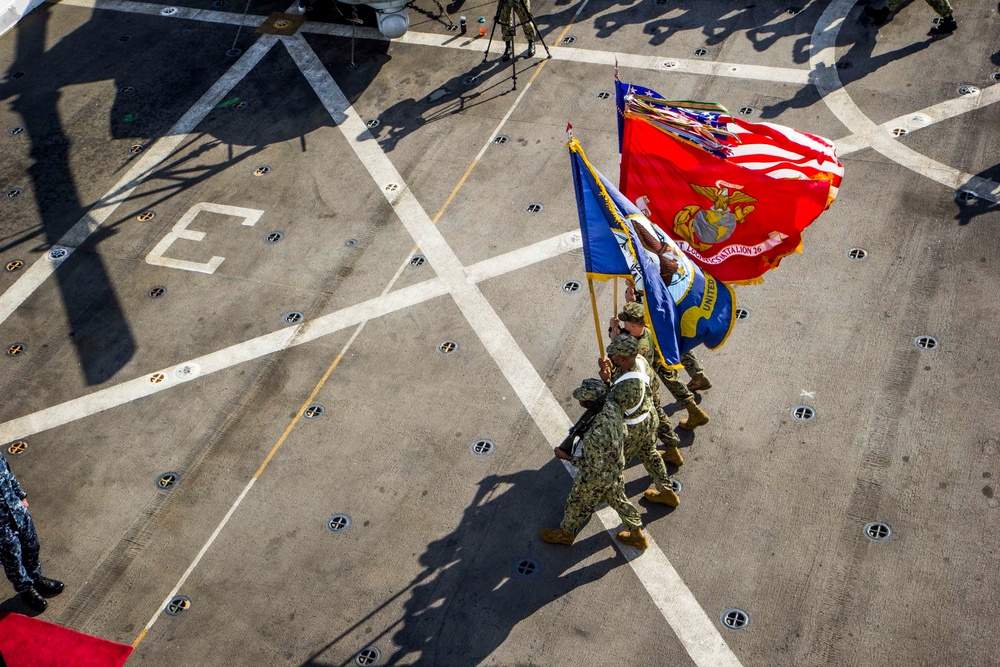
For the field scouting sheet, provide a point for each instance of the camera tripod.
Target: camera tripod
(518, 8)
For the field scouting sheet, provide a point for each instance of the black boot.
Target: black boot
(34, 601)
(508, 52)
(879, 16)
(531, 48)
(945, 27)
(48, 587)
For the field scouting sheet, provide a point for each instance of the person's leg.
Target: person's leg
(12, 559)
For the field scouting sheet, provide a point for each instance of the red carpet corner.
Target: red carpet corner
(29, 642)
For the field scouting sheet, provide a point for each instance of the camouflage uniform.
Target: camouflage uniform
(665, 431)
(942, 7)
(633, 396)
(601, 465)
(522, 9)
(18, 540)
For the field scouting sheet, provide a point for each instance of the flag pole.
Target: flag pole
(597, 319)
(616, 296)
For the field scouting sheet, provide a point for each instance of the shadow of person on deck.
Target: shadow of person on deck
(469, 596)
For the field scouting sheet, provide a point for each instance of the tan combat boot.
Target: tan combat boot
(696, 416)
(556, 536)
(699, 382)
(667, 497)
(672, 455)
(634, 538)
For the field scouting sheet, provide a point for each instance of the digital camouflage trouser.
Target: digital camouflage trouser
(586, 496)
(942, 7)
(522, 10)
(640, 441)
(19, 551)
(664, 431)
(672, 378)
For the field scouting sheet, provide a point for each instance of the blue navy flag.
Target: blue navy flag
(684, 307)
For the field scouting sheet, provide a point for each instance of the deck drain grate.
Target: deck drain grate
(16, 448)
(569, 39)
(501, 139)
(135, 149)
(995, 76)
(168, 480)
(857, 254)
(372, 123)
(14, 193)
(525, 567)
(925, 342)
(126, 90)
(470, 80)
(965, 196)
(156, 292)
(233, 52)
(16, 349)
(571, 286)
(700, 52)
(603, 95)
(262, 170)
(417, 260)
(447, 347)
(156, 378)
(675, 485)
(735, 619)
(167, 11)
(742, 313)
(533, 208)
(313, 411)
(292, 317)
(146, 216)
(14, 131)
(351, 243)
(273, 237)
(177, 605)
(899, 131)
(747, 111)
(14, 265)
(968, 90)
(338, 523)
(58, 253)
(876, 531)
(391, 187)
(367, 656)
(669, 63)
(482, 447)
(803, 413)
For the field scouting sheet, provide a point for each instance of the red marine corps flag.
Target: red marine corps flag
(735, 195)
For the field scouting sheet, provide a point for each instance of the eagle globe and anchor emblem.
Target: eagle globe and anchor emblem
(702, 228)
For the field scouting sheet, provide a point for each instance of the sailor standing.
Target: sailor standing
(19, 544)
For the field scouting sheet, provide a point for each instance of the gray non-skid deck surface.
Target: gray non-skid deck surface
(772, 510)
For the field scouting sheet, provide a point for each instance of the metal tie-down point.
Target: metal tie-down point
(735, 619)
(925, 342)
(571, 286)
(447, 347)
(17, 448)
(177, 605)
(338, 523)
(367, 656)
(742, 313)
(877, 531)
(293, 317)
(313, 411)
(482, 447)
(14, 265)
(803, 413)
(168, 480)
(525, 567)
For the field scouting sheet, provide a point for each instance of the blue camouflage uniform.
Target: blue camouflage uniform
(18, 540)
